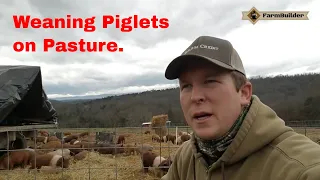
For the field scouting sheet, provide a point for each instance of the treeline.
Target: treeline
(294, 98)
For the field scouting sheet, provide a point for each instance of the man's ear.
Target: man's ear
(245, 93)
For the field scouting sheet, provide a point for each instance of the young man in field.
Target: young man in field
(235, 136)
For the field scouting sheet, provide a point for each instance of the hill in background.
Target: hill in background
(294, 98)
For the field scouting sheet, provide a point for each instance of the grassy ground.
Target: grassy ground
(106, 167)
(312, 133)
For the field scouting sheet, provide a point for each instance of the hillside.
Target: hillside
(294, 98)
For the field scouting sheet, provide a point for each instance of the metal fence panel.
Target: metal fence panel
(93, 153)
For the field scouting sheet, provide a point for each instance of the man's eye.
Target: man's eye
(210, 81)
(185, 86)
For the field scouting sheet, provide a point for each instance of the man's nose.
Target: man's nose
(197, 94)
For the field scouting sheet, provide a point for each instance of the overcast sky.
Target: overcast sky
(266, 48)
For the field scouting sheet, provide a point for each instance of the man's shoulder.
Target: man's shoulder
(181, 161)
(185, 150)
(300, 149)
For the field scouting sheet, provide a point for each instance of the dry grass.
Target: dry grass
(158, 124)
(107, 167)
(312, 133)
(159, 120)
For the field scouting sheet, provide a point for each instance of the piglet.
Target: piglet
(20, 158)
(163, 167)
(53, 138)
(143, 148)
(62, 152)
(74, 141)
(51, 145)
(80, 156)
(151, 159)
(49, 160)
(70, 137)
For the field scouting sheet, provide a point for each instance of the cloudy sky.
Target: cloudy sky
(267, 48)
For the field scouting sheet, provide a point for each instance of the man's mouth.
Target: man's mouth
(201, 116)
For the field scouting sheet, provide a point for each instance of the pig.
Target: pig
(121, 139)
(183, 138)
(69, 138)
(41, 139)
(44, 133)
(52, 145)
(36, 151)
(171, 138)
(83, 134)
(155, 138)
(89, 145)
(49, 160)
(180, 133)
(179, 141)
(164, 138)
(129, 149)
(53, 138)
(20, 158)
(163, 167)
(109, 148)
(143, 148)
(67, 133)
(81, 155)
(74, 149)
(88, 139)
(62, 152)
(151, 159)
(74, 141)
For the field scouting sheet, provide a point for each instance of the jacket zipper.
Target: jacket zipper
(207, 171)
(208, 168)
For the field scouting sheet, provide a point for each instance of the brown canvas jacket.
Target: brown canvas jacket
(263, 149)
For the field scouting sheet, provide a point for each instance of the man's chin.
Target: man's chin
(206, 134)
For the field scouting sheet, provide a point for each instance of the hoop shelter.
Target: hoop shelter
(22, 98)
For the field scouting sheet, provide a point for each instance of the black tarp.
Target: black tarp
(22, 98)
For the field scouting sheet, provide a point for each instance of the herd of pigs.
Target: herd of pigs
(51, 153)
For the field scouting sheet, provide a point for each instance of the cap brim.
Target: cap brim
(174, 68)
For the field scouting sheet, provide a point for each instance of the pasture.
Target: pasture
(102, 166)
(98, 166)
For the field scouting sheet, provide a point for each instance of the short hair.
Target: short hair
(239, 79)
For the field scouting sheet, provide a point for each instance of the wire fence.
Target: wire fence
(309, 128)
(87, 153)
(99, 153)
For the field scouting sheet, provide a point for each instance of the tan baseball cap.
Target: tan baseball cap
(212, 49)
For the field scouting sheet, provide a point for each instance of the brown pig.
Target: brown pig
(151, 159)
(69, 138)
(20, 158)
(81, 155)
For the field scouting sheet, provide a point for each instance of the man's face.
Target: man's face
(209, 99)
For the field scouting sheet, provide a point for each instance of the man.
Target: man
(235, 136)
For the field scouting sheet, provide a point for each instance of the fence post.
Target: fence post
(176, 135)
(305, 127)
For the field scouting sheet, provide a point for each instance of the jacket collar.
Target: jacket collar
(260, 127)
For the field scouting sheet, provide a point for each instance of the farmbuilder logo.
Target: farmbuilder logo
(254, 15)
